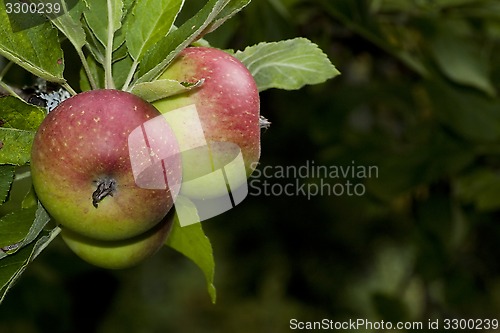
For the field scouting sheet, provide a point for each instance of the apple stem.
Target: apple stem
(105, 186)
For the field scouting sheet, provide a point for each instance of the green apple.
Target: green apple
(119, 254)
(227, 135)
(95, 176)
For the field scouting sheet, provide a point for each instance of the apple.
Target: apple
(228, 107)
(92, 178)
(122, 253)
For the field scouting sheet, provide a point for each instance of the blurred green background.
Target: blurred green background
(418, 99)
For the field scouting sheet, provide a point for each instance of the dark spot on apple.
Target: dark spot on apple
(1, 144)
(105, 186)
(2, 122)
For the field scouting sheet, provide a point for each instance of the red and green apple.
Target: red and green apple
(227, 105)
(82, 165)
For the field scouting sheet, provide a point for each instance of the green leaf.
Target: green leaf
(70, 22)
(96, 16)
(461, 60)
(18, 191)
(121, 69)
(6, 179)
(120, 53)
(192, 242)
(468, 112)
(19, 122)
(289, 64)
(15, 226)
(30, 199)
(159, 57)
(12, 266)
(104, 19)
(22, 227)
(229, 11)
(37, 49)
(94, 45)
(16, 146)
(119, 45)
(158, 89)
(15, 113)
(147, 26)
(41, 220)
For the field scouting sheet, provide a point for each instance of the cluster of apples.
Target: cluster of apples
(87, 151)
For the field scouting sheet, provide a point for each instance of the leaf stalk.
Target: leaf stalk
(108, 71)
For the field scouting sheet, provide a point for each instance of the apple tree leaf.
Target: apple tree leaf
(229, 11)
(159, 57)
(15, 113)
(12, 266)
(15, 146)
(93, 44)
(158, 89)
(151, 20)
(18, 192)
(6, 179)
(462, 60)
(288, 64)
(18, 124)
(40, 221)
(37, 48)
(457, 108)
(103, 26)
(30, 199)
(70, 23)
(119, 46)
(121, 69)
(20, 228)
(14, 227)
(192, 242)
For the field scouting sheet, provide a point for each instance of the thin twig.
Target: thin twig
(108, 70)
(130, 75)
(86, 68)
(69, 88)
(4, 85)
(6, 69)
(8, 88)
